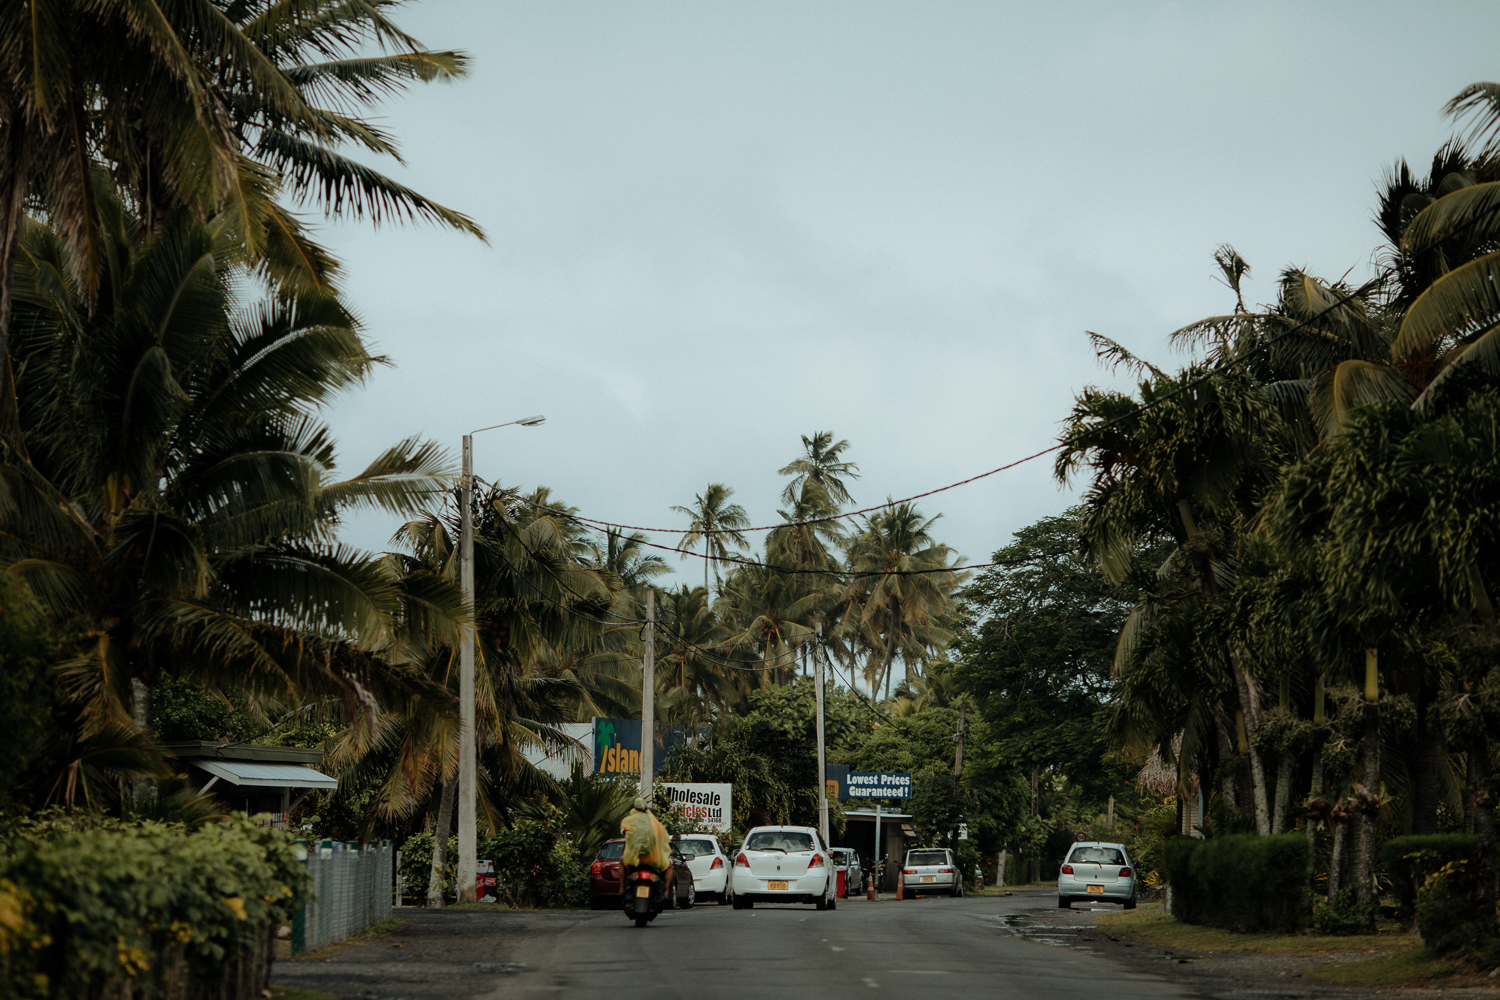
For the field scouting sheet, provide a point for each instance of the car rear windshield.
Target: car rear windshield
(612, 852)
(840, 857)
(779, 840)
(1097, 856)
(695, 848)
(927, 858)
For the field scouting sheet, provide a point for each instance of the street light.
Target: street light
(468, 819)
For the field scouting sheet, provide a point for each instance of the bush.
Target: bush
(1410, 860)
(1241, 882)
(1450, 917)
(92, 907)
(1343, 915)
(569, 888)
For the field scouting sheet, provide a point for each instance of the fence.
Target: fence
(351, 889)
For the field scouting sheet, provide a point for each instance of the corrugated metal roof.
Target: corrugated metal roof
(243, 772)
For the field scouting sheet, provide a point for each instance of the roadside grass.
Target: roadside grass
(1418, 967)
(380, 928)
(293, 993)
(1150, 922)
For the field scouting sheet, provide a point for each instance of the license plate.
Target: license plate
(644, 891)
(1096, 888)
(929, 878)
(776, 885)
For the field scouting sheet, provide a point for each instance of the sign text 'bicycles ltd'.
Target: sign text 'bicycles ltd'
(878, 785)
(707, 804)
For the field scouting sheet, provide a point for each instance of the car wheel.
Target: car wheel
(833, 904)
(1130, 903)
(726, 897)
(821, 902)
(1064, 904)
(748, 904)
(692, 897)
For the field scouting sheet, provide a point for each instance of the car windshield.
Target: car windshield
(1097, 856)
(612, 852)
(695, 848)
(927, 858)
(779, 840)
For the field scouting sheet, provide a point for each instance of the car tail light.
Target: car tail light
(1067, 869)
(742, 860)
(817, 859)
(1124, 872)
(908, 871)
(718, 863)
(597, 867)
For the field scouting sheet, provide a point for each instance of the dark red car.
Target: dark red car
(604, 879)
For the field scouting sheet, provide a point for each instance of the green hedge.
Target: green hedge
(1409, 860)
(93, 908)
(1241, 882)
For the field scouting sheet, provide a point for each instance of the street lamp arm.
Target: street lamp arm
(524, 422)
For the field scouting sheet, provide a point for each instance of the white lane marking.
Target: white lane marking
(834, 948)
(871, 983)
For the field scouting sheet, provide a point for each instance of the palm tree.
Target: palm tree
(175, 494)
(625, 556)
(692, 684)
(903, 593)
(716, 522)
(821, 463)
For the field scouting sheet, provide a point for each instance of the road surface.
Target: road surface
(1017, 946)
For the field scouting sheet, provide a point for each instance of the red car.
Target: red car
(604, 879)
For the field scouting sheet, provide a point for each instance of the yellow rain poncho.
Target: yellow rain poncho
(645, 839)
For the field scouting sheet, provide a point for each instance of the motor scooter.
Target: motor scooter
(644, 894)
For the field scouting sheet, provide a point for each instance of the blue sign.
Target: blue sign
(617, 746)
(877, 785)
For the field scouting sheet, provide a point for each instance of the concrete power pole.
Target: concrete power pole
(958, 767)
(648, 702)
(468, 846)
(822, 756)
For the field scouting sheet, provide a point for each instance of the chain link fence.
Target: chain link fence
(351, 889)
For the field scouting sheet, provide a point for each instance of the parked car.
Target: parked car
(784, 864)
(1096, 871)
(709, 864)
(605, 873)
(931, 870)
(846, 861)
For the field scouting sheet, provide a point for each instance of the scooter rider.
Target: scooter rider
(646, 847)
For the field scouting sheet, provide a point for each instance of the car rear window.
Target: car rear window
(927, 858)
(840, 857)
(695, 848)
(779, 840)
(612, 852)
(1097, 856)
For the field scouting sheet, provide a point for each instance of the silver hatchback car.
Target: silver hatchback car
(1096, 871)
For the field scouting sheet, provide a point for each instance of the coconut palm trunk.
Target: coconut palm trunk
(440, 845)
(1369, 812)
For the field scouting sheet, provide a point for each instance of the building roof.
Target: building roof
(193, 750)
(238, 772)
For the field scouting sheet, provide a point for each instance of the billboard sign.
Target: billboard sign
(877, 785)
(617, 746)
(709, 805)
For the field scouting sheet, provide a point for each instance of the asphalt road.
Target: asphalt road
(1018, 946)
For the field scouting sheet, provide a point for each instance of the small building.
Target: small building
(253, 779)
(896, 832)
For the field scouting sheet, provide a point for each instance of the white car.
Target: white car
(708, 863)
(784, 864)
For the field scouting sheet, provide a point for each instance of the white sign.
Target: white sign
(708, 805)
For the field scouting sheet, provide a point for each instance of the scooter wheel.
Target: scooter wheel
(641, 921)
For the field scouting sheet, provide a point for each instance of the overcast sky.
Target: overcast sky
(715, 227)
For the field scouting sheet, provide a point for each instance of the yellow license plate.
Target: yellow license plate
(776, 885)
(929, 878)
(644, 891)
(1096, 888)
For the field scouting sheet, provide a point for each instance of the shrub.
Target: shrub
(92, 907)
(1410, 860)
(1450, 917)
(1343, 915)
(569, 888)
(1241, 882)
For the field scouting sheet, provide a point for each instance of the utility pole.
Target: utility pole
(958, 768)
(822, 759)
(648, 702)
(468, 818)
(468, 846)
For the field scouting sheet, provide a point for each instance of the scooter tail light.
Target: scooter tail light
(718, 863)
(1067, 869)
(646, 876)
(742, 861)
(1124, 872)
